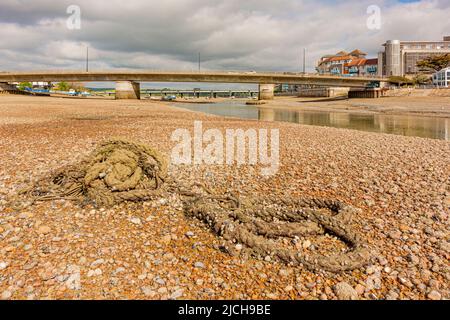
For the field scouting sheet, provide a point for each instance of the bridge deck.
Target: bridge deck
(163, 76)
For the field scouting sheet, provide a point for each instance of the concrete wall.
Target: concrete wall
(266, 91)
(128, 90)
(405, 92)
(323, 92)
(366, 94)
(6, 87)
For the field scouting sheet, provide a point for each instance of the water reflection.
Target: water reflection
(407, 125)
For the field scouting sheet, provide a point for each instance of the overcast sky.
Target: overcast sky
(230, 34)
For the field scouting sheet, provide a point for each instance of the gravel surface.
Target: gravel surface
(59, 250)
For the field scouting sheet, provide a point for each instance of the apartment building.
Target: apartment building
(400, 58)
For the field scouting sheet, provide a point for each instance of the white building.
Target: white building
(442, 78)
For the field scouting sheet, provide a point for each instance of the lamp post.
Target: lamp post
(304, 60)
(87, 59)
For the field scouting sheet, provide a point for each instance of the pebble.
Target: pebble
(162, 290)
(6, 295)
(199, 282)
(306, 244)
(360, 289)
(288, 288)
(199, 265)
(189, 234)
(44, 230)
(3, 265)
(434, 295)
(97, 262)
(392, 295)
(136, 221)
(283, 273)
(395, 235)
(344, 291)
(413, 259)
(96, 272)
(166, 239)
(148, 292)
(177, 294)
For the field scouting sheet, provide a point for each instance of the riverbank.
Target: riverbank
(153, 251)
(425, 106)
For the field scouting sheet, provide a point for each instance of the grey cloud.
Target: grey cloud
(230, 34)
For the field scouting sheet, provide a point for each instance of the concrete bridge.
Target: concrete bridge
(128, 82)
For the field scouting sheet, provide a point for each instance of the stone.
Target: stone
(199, 282)
(283, 273)
(289, 288)
(136, 221)
(177, 294)
(44, 230)
(199, 265)
(344, 291)
(3, 265)
(6, 295)
(395, 234)
(306, 244)
(142, 276)
(166, 239)
(360, 289)
(189, 234)
(148, 292)
(96, 272)
(97, 262)
(162, 290)
(392, 295)
(434, 295)
(413, 259)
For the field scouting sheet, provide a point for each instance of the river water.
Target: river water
(407, 125)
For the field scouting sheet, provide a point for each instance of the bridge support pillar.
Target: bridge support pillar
(266, 91)
(128, 90)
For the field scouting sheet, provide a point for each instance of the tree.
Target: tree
(24, 85)
(434, 63)
(421, 79)
(400, 81)
(63, 86)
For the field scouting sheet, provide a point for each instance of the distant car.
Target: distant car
(373, 84)
(169, 98)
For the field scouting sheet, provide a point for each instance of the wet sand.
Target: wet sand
(424, 106)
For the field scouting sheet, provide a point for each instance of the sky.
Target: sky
(260, 35)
